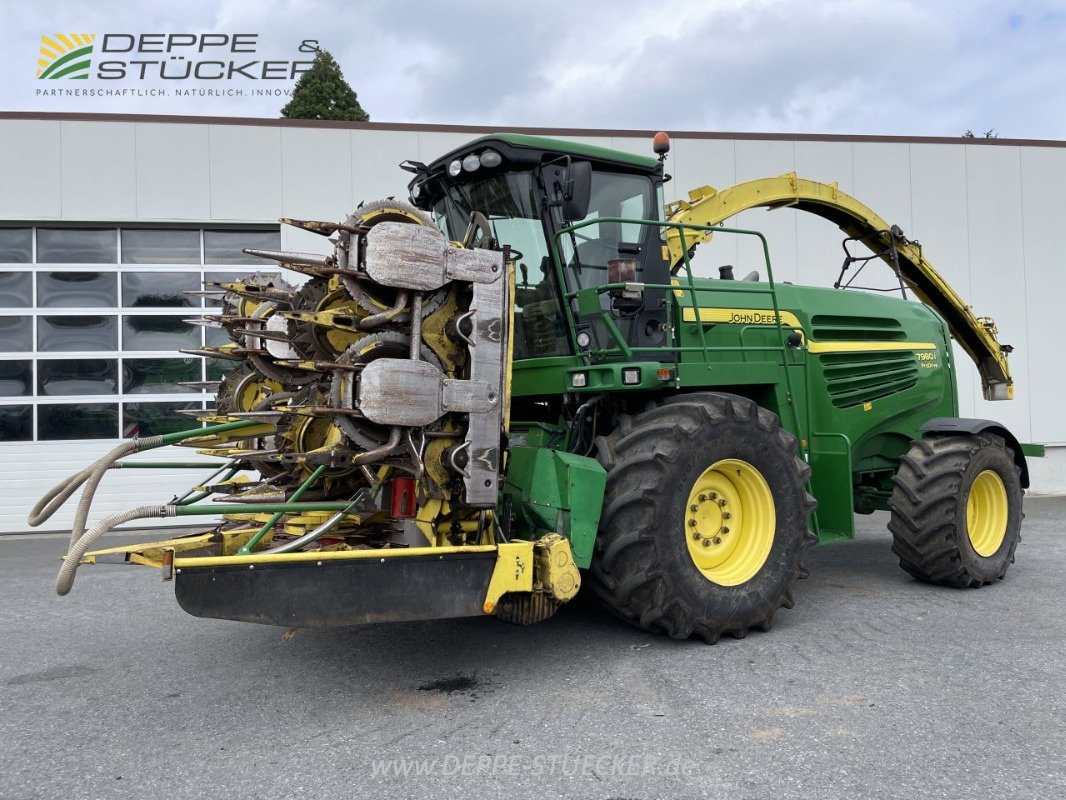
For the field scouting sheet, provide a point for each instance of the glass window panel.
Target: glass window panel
(160, 246)
(16, 423)
(16, 334)
(158, 333)
(216, 337)
(159, 289)
(76, 333)
(76, 290)
(16, 245)
(77, 246)
(153, 419)
(77, 376)
(77, 421)
(217, 368)
(16, 289)
(16, 378)
(156, 375)
(224, 247)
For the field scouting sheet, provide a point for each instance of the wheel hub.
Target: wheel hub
(730, 522)
(986, 513)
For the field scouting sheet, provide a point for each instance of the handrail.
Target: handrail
(678, 229)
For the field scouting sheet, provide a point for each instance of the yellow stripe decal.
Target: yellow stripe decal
(741, 316)
(867, 347)
(766, 316)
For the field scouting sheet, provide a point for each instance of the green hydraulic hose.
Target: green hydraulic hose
(258, 508)
(270, 523)
(210, 430)
(93, 474)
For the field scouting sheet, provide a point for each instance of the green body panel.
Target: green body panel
(855, 412)
(555, 491)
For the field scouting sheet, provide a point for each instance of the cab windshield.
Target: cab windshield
(509, 201)
(589, 250)
(600, 252)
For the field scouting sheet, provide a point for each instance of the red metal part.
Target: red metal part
(402, 498)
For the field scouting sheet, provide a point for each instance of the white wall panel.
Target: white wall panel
(881, 178)
(42, 465)
(997, 271)
(1043, 176)
(705, 162)
(315, 168)
(99, 177)
(818, 251)
(940, 222)
(30, 170)
(376, 156)
(173, 172)
(766, 159)
(245, 173)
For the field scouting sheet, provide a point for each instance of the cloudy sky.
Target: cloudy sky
(817, 66)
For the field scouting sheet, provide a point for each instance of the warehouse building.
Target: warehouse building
(107, 220)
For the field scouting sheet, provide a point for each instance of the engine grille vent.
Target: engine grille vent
(826, 327)
(856, 378)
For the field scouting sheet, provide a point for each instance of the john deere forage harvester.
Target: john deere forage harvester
(514, 384)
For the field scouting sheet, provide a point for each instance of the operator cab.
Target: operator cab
(569, 214)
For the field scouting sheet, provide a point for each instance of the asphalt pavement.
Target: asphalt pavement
(874, 685)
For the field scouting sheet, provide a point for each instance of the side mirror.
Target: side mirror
(577, 190)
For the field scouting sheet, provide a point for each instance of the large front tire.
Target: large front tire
(956, 510)
(705, 521)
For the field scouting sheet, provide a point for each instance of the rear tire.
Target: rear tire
(957, 510)
(650, 568)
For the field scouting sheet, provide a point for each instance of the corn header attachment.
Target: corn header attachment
(358, 435)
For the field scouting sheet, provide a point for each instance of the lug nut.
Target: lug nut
(726, 515)
(717, 540)
(721, 502)
(696, 536)
(692, 523)
(703, 497)
(706, 542)
(693, 508)
(725, 530)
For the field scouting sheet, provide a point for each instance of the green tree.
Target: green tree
(322, 93)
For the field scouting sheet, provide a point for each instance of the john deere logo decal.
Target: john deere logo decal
(65, 55)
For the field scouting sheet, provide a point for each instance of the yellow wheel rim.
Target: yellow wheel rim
(730, 522)
(986, 513)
